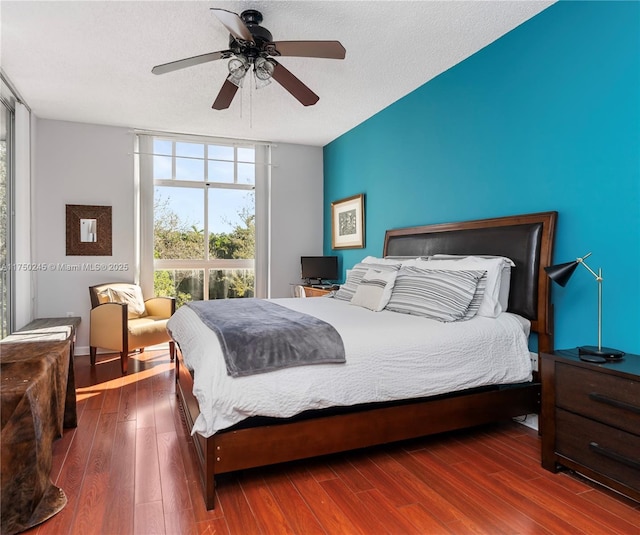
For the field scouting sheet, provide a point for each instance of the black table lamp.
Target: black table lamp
(561, 273)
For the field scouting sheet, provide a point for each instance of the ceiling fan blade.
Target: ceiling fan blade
(232, 22)
(190, 62)
(294, 85)
(309, 49)
(225, 96)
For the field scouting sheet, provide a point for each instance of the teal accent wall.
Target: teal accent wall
(545, 118)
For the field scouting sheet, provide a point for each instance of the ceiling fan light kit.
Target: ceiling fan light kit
(251, 47)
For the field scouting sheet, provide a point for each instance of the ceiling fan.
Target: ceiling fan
(252, 46)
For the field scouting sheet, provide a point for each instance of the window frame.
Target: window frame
(147, 265)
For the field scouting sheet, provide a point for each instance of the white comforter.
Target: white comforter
(390, 356)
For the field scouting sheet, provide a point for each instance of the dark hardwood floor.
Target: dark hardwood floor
(128, 468)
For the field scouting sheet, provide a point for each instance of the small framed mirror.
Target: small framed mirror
(88, 230)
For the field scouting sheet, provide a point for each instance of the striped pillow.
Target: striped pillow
(374, 290)
(436, 294)
(478, 296)
(348, 289)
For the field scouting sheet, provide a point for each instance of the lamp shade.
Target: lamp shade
(561, 273)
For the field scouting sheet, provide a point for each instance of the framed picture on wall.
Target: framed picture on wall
(347, 223)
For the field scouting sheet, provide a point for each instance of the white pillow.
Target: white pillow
(130, 295)
(355, 274)
(442, 295)
(496, 293)
(374, 289)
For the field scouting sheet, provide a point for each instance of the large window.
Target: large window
(203, 219)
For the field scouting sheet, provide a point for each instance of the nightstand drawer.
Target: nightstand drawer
(607, 398)
(599, 447)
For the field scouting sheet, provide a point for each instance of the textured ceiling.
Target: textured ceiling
(91, 61)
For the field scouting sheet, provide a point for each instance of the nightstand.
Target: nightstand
(590, 419)
(310, 291)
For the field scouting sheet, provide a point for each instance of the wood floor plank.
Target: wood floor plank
(352, 507)
(393, 489)
(127, 408)
(331, 518)
(72, 476)
(90, 509)
(145, 416)
(300, 517)
(422, 519)
(495, 458)
(458, 503)
(147, 468)
(148, 519)
(60, 449)
(264, 506)
(175, 491)
(412, 478)
(545, 521)
(547, 493)
(348, 473)
(236, 509)
(216, 526)
(120, 507)
(162, 414)
(182, 522)
(479, 502)
(393, 520)
(598, 514)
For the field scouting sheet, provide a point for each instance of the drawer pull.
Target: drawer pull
(614, 402)
(594, 446)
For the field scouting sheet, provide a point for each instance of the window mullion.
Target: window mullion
(173, 160)
(205, 281)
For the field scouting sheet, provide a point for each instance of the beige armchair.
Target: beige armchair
(122, 321)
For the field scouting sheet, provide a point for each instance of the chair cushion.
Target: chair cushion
(147, 331)
(147, 325)
(129, 294)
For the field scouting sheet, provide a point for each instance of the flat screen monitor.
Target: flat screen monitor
(315, 269)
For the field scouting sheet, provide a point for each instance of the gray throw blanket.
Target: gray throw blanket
(260, 336)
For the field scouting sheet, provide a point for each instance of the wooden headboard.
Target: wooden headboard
(526, 239)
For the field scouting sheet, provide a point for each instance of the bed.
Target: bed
(263, 439)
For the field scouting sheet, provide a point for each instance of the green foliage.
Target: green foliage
(175, 239)
(164, 285)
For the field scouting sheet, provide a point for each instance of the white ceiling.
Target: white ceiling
(90, 61)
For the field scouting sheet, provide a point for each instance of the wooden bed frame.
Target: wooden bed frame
(526, 239)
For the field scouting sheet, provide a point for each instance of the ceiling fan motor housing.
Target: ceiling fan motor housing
(252, 19)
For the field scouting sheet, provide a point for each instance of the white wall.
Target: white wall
(80, 164)
(296, 212)
(89, 164)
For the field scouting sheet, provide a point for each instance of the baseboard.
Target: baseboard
(530, 420)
